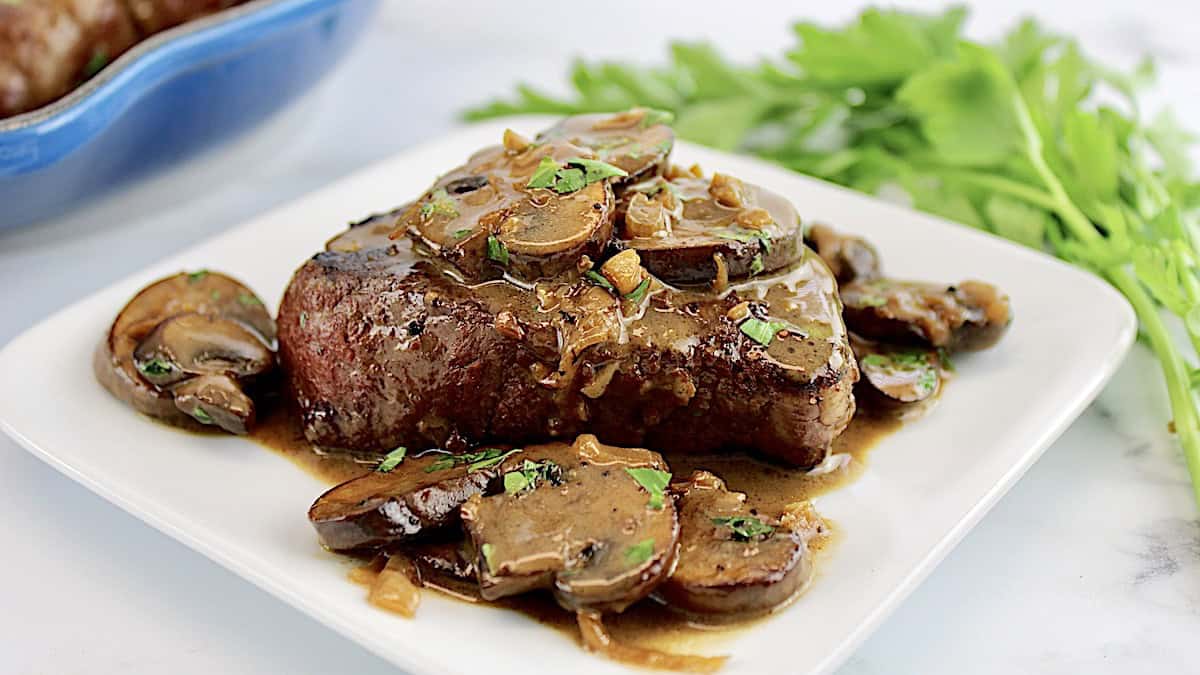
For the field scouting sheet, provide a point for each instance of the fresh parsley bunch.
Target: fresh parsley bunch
(1026, 138)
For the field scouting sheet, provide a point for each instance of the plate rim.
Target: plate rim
(345, 626)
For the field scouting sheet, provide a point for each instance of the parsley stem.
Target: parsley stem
(1183, 403)
(1081, 226)
(996, 183)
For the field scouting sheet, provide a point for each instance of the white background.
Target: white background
(1091, 564)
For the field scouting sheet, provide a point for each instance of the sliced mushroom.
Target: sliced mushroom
(205, 293)
(485, 219)
(594, 535)
(969, 316)
(704, 237)
(216, 400)
(420, 495)
(735, 563)
(193, 344)
(896, 377)
(638, 141)
(446, 566)
(849, 258)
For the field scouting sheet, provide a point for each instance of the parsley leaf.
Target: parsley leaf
(745, 528)
(598, 279)
(652, 481)
(392, 460)
(154, 367)
(497, 251)
(531, 474)
(489, 556)
(439, 204)
(543, 176)
(577, 174)
(475, 461)
(762, 332)
(639, 552)
(756, 265)
(639, 291)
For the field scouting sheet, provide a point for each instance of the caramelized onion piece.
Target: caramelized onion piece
(596, 638)
(397, 587)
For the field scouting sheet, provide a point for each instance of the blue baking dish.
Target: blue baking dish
(168, 97)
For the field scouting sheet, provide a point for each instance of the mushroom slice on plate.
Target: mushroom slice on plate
(637, 141)
(590, 522)
(420, 495)
(193, 344)
(850, 258)
(216, 400)
(689, 230)
(968, 316)
(204, 293)
(897, 377)
(529, 214)
(735, 563)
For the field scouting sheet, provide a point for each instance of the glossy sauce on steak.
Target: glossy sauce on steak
(385, 348)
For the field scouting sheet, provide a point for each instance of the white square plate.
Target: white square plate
(926, 485)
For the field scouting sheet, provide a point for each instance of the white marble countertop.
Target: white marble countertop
(1091, 563)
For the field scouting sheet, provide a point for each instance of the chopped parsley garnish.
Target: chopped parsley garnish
(747, 236)
(570, 180)
(475, 460)
(762, 332)
(543, 175)
(652, 481)
(215, 295)
(392, 460)
(491, 457)
(906, 361)
(638, 293)
(193, 277)
(439, 204)
(303, 318)
(575, 174)
(654, 116)
(745, 528)
(202, 417)
(594, 170)
(489, 555)
(756, 265)
(248, 300)
(155, 366)
(639, 552)
(497, 251)
(598, 279)
(531, 474)
(871, 301)
(459, 234)
(96, 63)
(944, 359)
